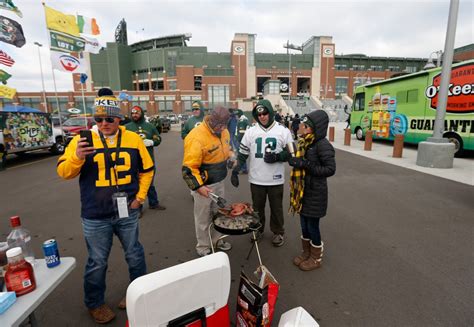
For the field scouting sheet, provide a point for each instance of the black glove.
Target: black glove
(234, 178)
(297, 162)
(271, 157)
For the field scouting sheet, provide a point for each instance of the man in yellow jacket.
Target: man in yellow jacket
(206, 151)
(115, 174)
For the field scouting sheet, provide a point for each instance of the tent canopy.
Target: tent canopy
(11, 108)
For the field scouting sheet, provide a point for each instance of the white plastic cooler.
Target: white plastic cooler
(159, 297)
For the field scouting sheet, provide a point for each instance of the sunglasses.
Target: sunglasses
(262, 114)
(136, 111)
(110, 120)
(194, 109)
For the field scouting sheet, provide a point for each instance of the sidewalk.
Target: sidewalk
(462, 171)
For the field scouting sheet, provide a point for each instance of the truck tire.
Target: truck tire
(457, 141)
(359, 134)
(59, 146)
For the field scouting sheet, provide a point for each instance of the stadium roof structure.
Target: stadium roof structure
(176, 40)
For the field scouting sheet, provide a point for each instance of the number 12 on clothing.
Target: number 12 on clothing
(269, 141)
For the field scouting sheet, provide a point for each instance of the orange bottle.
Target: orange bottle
(19, 277)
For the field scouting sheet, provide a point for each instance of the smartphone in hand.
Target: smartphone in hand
(88, 135)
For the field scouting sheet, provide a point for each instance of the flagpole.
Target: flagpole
(57, 104)
(84, 103)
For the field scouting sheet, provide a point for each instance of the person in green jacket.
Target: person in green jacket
(151, 137)
(242, 126)
(195, 120)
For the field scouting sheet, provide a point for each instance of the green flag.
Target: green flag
(65, 42)
(4, 76)
(9, 5)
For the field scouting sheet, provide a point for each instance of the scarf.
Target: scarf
(297, 175)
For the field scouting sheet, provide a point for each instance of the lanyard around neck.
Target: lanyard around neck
(112, 163)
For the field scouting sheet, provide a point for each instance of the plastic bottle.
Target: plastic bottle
(20, 236)
(19, 277)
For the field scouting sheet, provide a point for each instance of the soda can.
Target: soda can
(51, 253)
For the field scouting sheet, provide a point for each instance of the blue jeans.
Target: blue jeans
(152, 195)
(310, 229)
(98, 234)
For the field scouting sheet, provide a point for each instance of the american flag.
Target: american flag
(6, 59)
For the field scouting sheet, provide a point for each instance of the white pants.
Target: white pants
(204, 209)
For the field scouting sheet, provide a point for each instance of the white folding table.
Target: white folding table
(47, 279)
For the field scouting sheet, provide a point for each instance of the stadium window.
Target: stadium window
(340, 67)
(358, 67)
(218, 94)
(376, 68)
(197, 83)
(394, 68)
(341, 85)
(172, 85)
(410, 69)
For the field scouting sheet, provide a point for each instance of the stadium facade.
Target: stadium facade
(165, 75)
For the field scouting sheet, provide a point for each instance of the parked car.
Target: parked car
(173, 118)
(162, 123)
(72, 126)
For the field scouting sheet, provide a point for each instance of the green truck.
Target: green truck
(407, 105)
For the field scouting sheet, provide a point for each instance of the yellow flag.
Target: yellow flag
(56, 20)
(7, 92)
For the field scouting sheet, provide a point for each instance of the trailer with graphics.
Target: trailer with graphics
(25, 129)
(407, 105)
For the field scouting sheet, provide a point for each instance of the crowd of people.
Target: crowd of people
(116, 173)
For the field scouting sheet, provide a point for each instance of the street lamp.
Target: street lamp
(430, 63)
(289, 46)
(42, 77)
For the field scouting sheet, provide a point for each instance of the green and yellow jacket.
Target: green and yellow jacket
(205, 156)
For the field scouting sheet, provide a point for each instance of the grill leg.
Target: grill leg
(210, 237)
(255, 243)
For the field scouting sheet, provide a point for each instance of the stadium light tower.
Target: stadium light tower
(39, 45)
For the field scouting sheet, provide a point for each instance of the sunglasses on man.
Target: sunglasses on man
(194, 109)
(109, 120)
(262, 114)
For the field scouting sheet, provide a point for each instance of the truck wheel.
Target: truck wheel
(59, 146)
(458, 143)
(359, 134)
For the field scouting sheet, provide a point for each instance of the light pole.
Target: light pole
(289, 46)
(430, 63)
(436, 151)
(42, 77)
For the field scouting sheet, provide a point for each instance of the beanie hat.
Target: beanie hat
(306, 120)
(137, 108)
(106, 104)
(196, 105)
(219, 116)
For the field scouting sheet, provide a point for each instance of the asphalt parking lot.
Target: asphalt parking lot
(398, 243)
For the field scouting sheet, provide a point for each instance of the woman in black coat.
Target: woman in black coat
(313, 163)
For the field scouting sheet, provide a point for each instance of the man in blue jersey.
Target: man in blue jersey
(115, 174)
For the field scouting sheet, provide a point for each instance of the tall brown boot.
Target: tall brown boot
(315, 258)
(304, 254)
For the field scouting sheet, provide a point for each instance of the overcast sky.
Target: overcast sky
(403, 28)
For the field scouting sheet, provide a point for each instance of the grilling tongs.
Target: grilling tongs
(220, 201)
